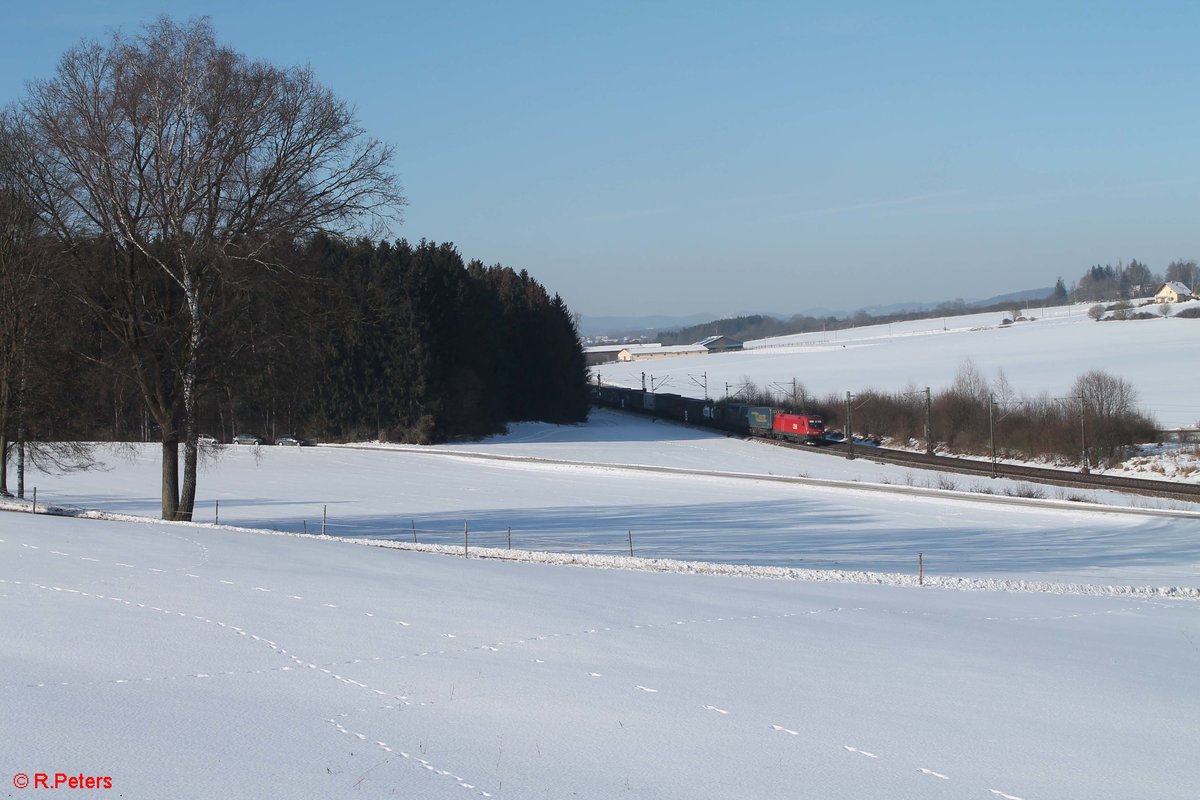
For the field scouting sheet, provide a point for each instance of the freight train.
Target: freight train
(740, 418)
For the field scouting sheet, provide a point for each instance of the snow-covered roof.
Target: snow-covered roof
(712, 339)
(659, 349)
(616, 348)
(1176, 287)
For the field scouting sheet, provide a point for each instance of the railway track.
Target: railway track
(1055, 477)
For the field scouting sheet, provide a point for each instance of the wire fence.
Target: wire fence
(465, 536)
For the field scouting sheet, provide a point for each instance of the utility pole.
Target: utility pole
(643, 381)
(702, 382)
(849, 428)
(1083, 435)
(928, 418)
(992, 430)
(928, 422)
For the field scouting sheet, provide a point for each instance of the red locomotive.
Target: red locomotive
(805, 428)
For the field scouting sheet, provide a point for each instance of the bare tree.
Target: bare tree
(1112, 418)
(178, 161)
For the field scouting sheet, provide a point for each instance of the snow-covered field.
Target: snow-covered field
(206, 661)
(588, 488)
(1046, 354)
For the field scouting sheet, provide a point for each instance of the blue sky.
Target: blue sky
(683, 157)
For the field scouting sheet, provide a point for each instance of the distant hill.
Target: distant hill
(1011, 297)
(761, 326)
(653, 324)
(637, 326)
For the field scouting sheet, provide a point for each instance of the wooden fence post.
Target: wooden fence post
(921, 567)
(630, 543)
(466, 554)
(324, 517)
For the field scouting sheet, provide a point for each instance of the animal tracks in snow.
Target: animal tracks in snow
(860, 752)
(421, 762)
(264, 594)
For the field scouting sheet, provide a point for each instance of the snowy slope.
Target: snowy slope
(202, 661)
(1046, 354)
(207, 663)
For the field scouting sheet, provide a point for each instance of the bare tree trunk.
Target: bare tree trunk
(191, 372)
(4, 465)
(21, 463)
(187, 494)
(170, 476)
(21, 426)
(4, 439)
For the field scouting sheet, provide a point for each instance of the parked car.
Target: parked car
(205, 439)
(292, 441)
(247, 438)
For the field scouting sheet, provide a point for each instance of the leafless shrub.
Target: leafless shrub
(1026, 490)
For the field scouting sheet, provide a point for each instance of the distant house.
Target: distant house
(1172, 292)
(605, 353)
(643, 352)
(719, 344)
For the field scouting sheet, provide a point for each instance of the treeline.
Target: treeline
(412, 344)
(353, 340)
(1099, 415)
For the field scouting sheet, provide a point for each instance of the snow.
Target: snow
(1045, 354)
(209, 661)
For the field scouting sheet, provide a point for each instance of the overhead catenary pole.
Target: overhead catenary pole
(928, 419)
(992, 430)
(928, 422)
(849, 427)
(1083, 435)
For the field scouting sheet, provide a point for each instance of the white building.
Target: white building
(1172, 292)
